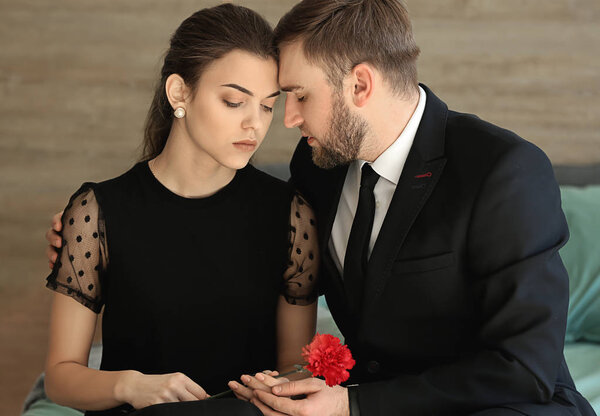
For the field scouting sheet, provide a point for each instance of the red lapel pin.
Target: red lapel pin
(424, 175)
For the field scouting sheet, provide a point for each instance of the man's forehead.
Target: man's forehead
(294, 68)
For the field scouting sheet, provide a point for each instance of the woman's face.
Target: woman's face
(232, 108)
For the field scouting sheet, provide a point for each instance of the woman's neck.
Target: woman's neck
(187, 171)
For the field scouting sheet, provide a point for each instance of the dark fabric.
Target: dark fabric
(466, 297)
(223, 407)
(355, 263)
(192, 284)
(354, 408)
(83, 258)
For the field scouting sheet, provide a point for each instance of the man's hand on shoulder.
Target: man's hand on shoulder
(54, 239)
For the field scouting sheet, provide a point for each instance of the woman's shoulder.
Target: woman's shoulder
(266, 177)
(125, 184)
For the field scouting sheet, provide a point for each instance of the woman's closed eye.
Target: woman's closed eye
(232, 105)
(266, 108)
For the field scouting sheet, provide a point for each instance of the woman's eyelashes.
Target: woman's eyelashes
(230, 104)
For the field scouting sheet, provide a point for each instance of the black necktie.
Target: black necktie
(355, 262)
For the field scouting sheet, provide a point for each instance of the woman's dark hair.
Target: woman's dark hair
(203, 37)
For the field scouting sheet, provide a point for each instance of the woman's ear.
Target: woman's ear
(177, 91)
(362, 78)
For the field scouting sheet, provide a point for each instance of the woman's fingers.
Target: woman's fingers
(261, 381)
(195, 389)
(254, 383)
(185, 396)
(240, 391)
(270, 380)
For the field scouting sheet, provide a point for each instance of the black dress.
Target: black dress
(188, 285)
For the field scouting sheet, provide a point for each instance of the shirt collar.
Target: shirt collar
(390, 163)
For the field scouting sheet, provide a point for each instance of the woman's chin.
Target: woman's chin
(236, 163)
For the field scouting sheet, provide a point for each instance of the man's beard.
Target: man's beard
(341, 144)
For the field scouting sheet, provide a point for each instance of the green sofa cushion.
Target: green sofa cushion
(45, 407)
(582, 359)
(581, 256)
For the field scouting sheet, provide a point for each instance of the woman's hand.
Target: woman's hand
(260, 381)
(141, 390)
(54, 239)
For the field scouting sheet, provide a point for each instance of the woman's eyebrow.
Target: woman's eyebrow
(248, 92)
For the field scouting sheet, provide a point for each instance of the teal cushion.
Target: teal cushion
(45, 407)
(582, 359)
(581, 256)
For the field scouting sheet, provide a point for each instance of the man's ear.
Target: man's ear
(177, 91)
(362, 78)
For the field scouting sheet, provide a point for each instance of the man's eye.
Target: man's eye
(301, 99)
(267, 109)
(232, 105)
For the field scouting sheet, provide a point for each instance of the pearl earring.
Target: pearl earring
(179, 112)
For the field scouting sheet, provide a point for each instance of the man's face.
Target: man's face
(320, 112)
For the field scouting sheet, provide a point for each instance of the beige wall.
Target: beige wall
(76, 78)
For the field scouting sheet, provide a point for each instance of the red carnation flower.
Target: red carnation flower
(327, 357)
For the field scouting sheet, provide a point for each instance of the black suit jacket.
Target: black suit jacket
(466, 296)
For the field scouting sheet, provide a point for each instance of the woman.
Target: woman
(226, 281)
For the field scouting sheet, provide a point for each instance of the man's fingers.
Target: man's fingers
(51, 254)
(293, 388)
(266, 410)
(56, 221)
(280, 404)
(53, 238)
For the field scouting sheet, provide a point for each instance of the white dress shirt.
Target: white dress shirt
(389, 167)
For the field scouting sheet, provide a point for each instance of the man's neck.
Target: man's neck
(387, 123)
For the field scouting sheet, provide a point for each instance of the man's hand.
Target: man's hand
(261, 381)
(54, 239)
(321, 400)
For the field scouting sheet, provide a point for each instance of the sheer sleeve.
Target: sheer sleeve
(83, 257)
(301, 275)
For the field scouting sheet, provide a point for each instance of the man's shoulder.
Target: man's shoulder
(468, 136)
(474, 129)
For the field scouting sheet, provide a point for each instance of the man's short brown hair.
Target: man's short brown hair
(340, 34)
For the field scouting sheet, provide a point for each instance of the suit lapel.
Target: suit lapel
(421, 173)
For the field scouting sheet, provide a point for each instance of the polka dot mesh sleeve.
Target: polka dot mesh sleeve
(83, 256)
(300, 277)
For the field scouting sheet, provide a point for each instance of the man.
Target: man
(440, 232)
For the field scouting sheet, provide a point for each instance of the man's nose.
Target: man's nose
(293, 117)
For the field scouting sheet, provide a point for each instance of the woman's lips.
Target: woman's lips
(310, 140)
(246, 145)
